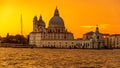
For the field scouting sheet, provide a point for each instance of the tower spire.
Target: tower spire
(97, 29)
(56, 13)
(21, 25)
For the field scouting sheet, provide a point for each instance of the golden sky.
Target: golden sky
(80, 16)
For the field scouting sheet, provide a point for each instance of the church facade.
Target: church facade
(56, 35)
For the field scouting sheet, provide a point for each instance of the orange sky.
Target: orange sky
(80, 16)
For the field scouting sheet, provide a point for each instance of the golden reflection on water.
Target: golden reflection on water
(58, 58)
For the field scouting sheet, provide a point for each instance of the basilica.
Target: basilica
(57, 36)
(56, 29)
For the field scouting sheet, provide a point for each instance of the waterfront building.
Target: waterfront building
(56, 35)
(88, 35)
(114, 40)
(97, 38)
(106, 39)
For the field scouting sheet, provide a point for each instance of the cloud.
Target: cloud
(88, 26)
(94, 26)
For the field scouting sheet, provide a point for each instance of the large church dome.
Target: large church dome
(56, 21)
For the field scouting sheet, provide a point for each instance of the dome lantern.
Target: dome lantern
(56, 13)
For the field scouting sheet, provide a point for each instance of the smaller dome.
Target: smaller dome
(41, 22)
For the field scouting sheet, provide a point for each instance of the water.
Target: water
(58, 58)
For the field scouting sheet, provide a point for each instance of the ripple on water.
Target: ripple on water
(58, 58)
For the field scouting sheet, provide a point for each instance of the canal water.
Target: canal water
(58, 58)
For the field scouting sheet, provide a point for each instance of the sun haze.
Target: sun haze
(80, 16)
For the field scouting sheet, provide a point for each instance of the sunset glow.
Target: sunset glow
(80, 16)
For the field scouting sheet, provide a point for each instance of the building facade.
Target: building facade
(114, 41)
(56, 35)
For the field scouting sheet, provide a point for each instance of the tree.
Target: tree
(15, 39)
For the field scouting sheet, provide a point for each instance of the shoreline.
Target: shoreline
(65, 48)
